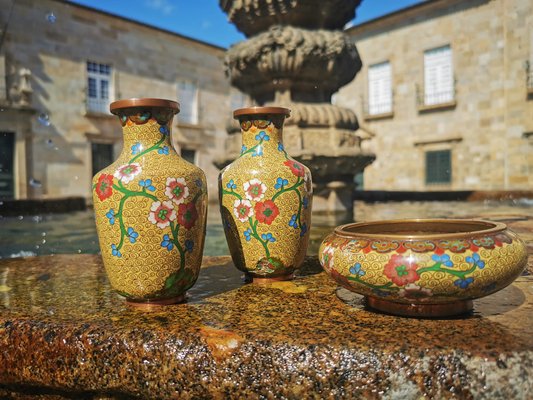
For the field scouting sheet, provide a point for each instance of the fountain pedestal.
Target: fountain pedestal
(296, 56)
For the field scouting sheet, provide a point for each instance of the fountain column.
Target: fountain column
(297, 56)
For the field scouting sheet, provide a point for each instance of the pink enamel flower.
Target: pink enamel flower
(254, 189)
(161, 213)
(327, 258)
(127, 172)
(243, 210)
(177, 190)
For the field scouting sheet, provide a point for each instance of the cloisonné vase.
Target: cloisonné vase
(151, 208)
(265, 199)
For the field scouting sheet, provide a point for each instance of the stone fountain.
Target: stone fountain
(297, 56)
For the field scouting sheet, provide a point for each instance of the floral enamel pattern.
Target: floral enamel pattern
(424, 271)
(150, 208)
(266, 202)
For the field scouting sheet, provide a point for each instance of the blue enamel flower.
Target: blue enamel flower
(463, 283)
(248, 235)
(114, 251)
(189, 245)
(281, 147)
(258, 151)
(243, 148)
(167, 243)
(132, 235)
(280, 183)
(293, 222)
(305, 202)
(262, 136)
(163, 150)
(476, 260)
(231, 184)
(304, 230)
(136, 148)
(444, 259)
(268, 237)
(147, 184)
(356, 270)
(111, 216)
(164, 130)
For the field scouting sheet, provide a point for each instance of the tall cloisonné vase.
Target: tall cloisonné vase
(265, 199)
(151, 208)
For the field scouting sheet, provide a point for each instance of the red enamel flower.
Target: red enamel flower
(401, 270)
(187, 215)
(104, 186)
(266, 211)
(296, 168)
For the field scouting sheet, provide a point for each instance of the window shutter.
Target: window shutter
(188, 99)
(438, 76)
(379, 89)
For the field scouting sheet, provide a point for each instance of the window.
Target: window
(98, 87)
(7, 158)
(188, 99)
(438, 76)
(188, 155)
(438, 167)
(379, 89)
(102, 156)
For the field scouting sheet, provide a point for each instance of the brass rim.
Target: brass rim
(261, 111)
(144, 102)
(466, 228)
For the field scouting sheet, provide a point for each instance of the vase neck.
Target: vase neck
(143, 128)
(262, 135)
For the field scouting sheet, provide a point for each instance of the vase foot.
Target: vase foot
(421, 310)
(262, 281)
(156, 303)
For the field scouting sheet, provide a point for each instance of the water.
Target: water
(76, 233)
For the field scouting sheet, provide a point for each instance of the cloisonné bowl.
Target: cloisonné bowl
(425, 268)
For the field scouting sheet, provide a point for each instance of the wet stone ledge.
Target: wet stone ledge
(65, 334)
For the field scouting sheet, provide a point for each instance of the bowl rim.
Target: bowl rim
(490, 228)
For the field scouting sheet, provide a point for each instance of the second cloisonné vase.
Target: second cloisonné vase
(265, 199)
(151, 208)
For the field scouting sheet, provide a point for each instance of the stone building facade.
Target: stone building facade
(446, 92)
(60, 66)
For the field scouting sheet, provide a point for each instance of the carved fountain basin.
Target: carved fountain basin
(424, 268)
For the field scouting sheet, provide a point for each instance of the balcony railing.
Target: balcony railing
(377, 110)
(435, 100)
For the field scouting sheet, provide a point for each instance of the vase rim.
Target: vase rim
(144, 102)
(407, 229)
(261, 111)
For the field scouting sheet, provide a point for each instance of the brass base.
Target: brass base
(156, 303)
(264, 281)
(421, 310)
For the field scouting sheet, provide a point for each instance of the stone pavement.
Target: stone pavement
(65, 334)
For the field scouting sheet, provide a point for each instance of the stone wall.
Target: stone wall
(146, 62)
(488, 128)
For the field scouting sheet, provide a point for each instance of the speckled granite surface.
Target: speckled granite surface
(64, 333)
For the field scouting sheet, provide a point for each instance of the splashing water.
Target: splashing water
(44, 119)
(35, 183)
(50, 17)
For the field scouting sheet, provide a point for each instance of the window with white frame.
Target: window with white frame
(98, 87)
(379, 89)
(188, 99)
(438, 76)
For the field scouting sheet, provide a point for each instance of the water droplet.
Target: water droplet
(1, 203)
(37, 247)
(44, 241)
(35, 183)
(44, 119)
(49, 143)
(37, 218)
(43, 234)
(79, 251)
(50, 17)
(76, 177)
(21, 217)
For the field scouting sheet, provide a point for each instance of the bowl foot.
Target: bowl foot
(261, 281)
(156, 303)
(421, 310)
